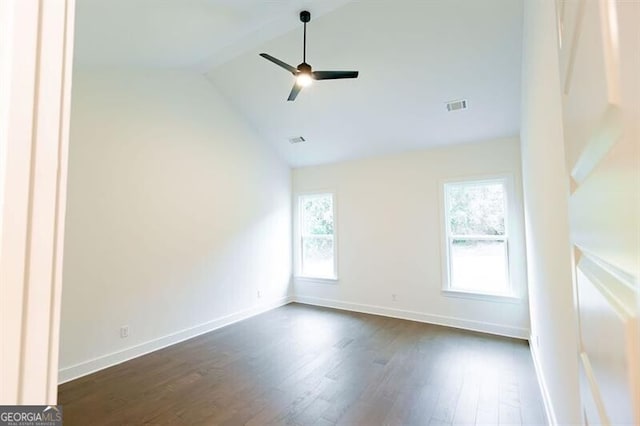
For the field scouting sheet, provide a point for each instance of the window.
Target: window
(316, 254)
(476, 237)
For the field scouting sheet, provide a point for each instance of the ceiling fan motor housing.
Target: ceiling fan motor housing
(304, 68)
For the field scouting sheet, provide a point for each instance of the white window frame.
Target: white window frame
(298, 238)
(507, 181)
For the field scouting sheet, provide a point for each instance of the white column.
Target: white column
(546, 191)
(35, 66)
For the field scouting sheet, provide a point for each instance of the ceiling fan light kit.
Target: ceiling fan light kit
(303, 73)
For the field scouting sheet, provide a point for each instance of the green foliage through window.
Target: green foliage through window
(477, 209)
(317, 215)
(317, 239)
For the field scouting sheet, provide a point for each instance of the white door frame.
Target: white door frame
(36, 50)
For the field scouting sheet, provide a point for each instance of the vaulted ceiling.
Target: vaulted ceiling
(413, 56)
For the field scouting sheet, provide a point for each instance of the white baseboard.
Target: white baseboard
(546, 399)
(482, 326)
(91, 366)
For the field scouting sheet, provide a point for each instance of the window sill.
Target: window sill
(501, 298)
(317, 280)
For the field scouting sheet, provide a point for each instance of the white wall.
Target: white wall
(389, 225)
(177, 215)
(545, 182)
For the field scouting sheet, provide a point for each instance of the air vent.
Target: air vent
(456, 105)
(297, 139)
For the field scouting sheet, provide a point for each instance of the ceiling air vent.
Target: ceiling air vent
(456, 105)
(297, 139)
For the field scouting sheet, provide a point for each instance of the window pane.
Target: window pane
(479, 266)
(476, 209)
(317, 257)
(317, 214)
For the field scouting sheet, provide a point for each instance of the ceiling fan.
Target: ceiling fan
(303, 73)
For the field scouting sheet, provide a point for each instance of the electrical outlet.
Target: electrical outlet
(394, 297)
(124, 331)
(259, 294)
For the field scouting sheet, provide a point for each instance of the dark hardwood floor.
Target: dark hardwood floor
(304, 365)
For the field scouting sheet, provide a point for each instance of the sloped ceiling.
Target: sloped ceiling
(413, 56)
(195, 34)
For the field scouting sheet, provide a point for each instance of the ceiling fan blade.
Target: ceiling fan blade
(295, 90)
(334, 75)
(277, 61)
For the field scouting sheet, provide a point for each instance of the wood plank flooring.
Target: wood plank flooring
(304, 365)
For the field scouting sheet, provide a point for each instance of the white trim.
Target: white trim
(609, 130)
(546, 398)
(297, 237)
(36, 45)
(96, 364)
(500, 298)
(316, 280)
(508, 181)
(465, 324)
